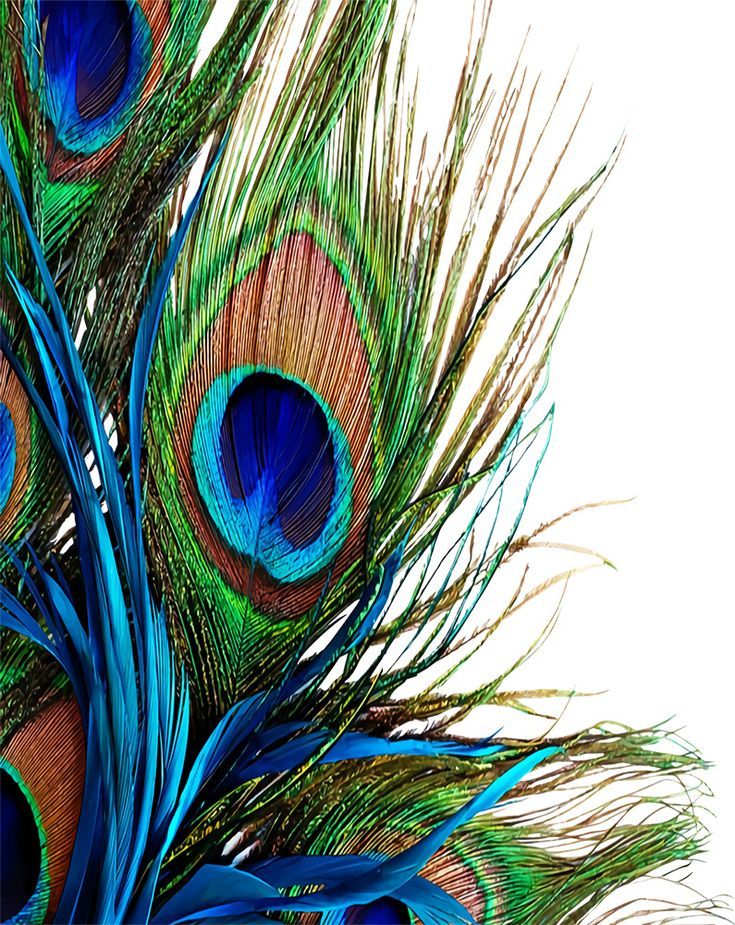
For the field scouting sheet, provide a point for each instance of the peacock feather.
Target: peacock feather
(268, 428)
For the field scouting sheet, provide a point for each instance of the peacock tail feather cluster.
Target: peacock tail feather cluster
(268, 427)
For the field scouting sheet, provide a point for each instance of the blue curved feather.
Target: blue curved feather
(349, 746)
(343, 881)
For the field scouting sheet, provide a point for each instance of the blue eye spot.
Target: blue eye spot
(273, 469)
(385, 911)
(99, 35)
(7, 455)
(96, 56)
(20, 844)
(274, 431)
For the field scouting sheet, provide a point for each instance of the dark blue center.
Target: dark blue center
(385, 911)
(98, 34)
(20, 848)
(275, 431)
(7, 454)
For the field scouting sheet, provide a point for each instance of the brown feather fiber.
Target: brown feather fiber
(49, 754)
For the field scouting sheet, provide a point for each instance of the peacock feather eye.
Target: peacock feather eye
(97, 40)
(23, 847)
(271, 438)
(7, 454)
(93, 64)
(41, 781)
(96, 54)
(385, 911)
(273, 469)
(262, 447)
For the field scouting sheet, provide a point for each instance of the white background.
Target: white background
(642, 373)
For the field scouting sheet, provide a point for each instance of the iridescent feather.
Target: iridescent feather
(253, 491)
